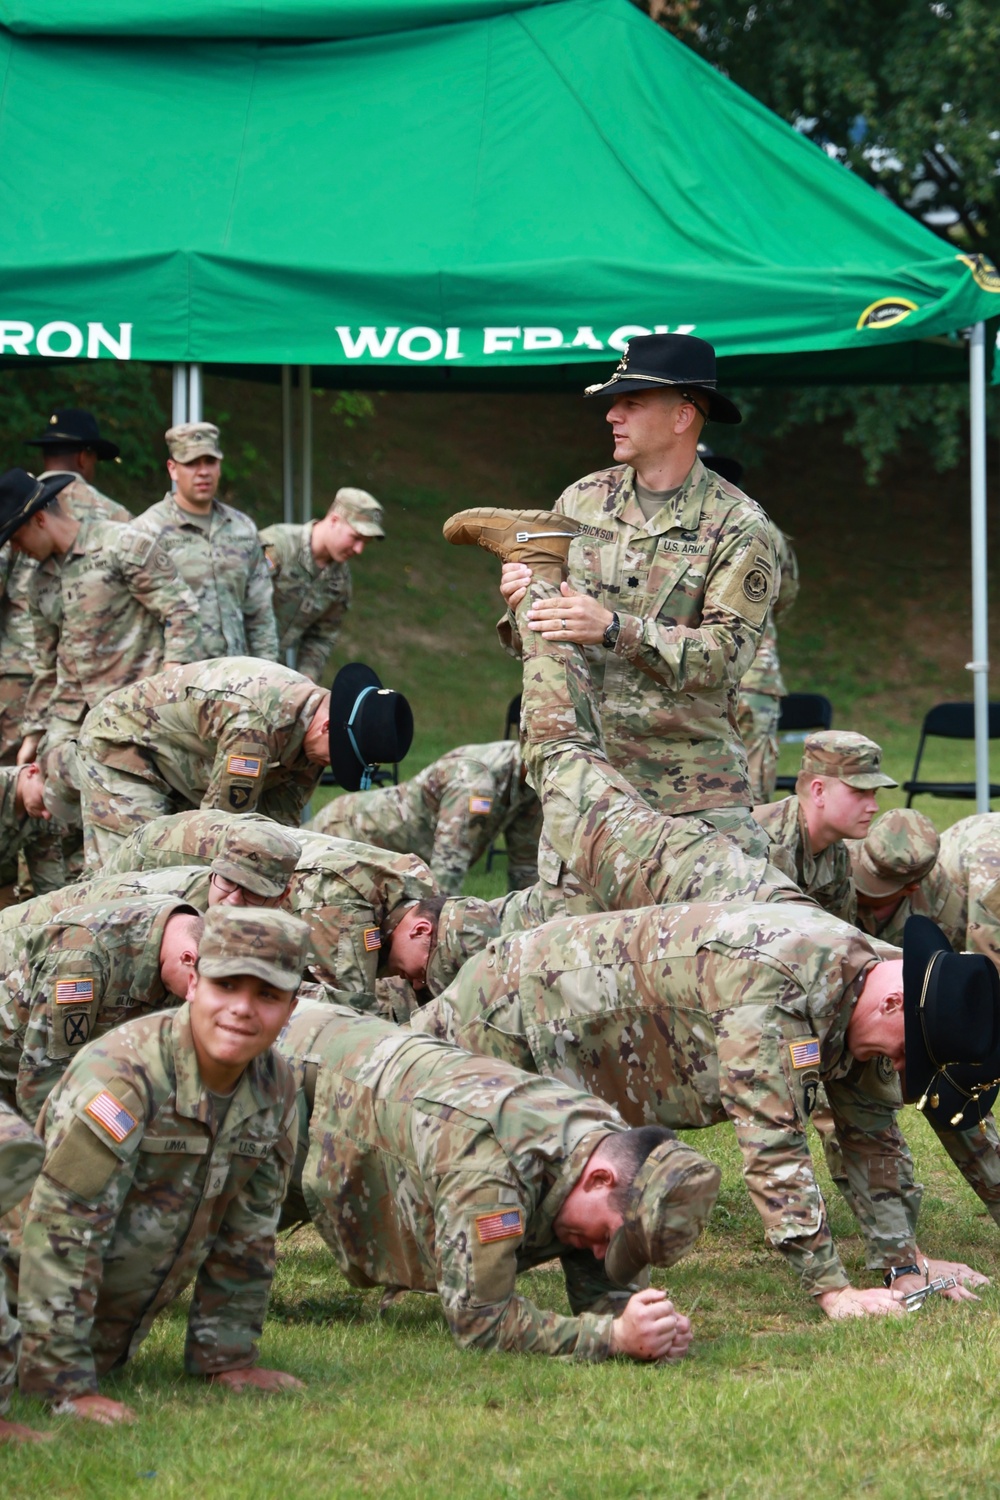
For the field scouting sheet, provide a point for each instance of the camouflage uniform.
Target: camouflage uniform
(17, 648)
(826, 876)
(226, 733)
(415, 1150)
(190, 838)
(345, 891)
(901, 848)
(220, 559)
(33, 837)
(70, 979)
(450, 814)
(21, 1154)
(683, 1015)
(310, 602)
(692, 589)
(84, 500)
(763, 687)
(142, 1191)
(970, 861)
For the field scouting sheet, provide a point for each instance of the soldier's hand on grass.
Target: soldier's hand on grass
(260, 1379)
(95, 1408)
(514, 580)
(963, 1274)
(571, 617)
(650, 1328)
(860, 1302)
(16, 1432)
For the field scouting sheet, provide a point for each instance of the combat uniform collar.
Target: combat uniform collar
(217, 513)
(306, 559)
(147, 965)
(566, 1179)
(682, 513)
(191, 1096)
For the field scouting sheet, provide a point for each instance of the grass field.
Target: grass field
(775, 1401)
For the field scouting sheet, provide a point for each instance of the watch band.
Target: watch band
(895, 1272)
(610, 637)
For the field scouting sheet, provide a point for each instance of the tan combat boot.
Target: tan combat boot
(535, 537)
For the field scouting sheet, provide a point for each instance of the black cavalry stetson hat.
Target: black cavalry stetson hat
(653, 361)
(369, 726)
(21, 494)
(951, 1016)
(70, 427)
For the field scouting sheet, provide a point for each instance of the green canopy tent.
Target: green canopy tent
(444, 192)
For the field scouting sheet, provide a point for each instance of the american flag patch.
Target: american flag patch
(480, 805)
(373, 939)
(805, 1054)
(74, 991)
(503, 1225)
(111, 1115)
(243, 765)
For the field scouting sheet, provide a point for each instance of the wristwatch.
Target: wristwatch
(895, 1272)
(610, 636)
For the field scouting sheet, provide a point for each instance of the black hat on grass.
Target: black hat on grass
(369, 726)
(951, 1016)
(21, 495)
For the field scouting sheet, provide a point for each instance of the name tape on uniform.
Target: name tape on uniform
(243, 765)
(112, 1116)
(805, 1054)
(505, 1224)
(74, 991)
(482, 805)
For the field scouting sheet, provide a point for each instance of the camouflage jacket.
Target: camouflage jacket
(681, 1015)
(21, 1154)
(691, 588)
(764, 673)
(226, 733)
(188, 838)
(449, 814)
(72, 977)
(969, 861)
(345, 891)
(310, 602)
(84, 500)
(415, 1149)
(826, 877)
(220, 559)
(17, 643)
(109, 611)
(141, 1192)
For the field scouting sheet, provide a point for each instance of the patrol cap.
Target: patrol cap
(360, 510)
(271, 945)
(900, 848)
(191, 440)
(259, 856)
(671, 1198)
(465, 927)
(21, 495)
(851, 758)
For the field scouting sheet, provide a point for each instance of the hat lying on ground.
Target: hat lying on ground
(369, 726)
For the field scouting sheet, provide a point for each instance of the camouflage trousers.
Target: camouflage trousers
(13, 698)
(21, 1153)
(625, 853)
(115, 803)
(757, 716)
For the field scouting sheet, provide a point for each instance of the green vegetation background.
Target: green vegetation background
(775, 1400)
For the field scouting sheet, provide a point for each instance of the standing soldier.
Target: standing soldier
(311, 577)
(72, 446)
(168, 1148)
(215, 548)
(834, 800)
(432, 1170)
(449, 814)
(17, 650)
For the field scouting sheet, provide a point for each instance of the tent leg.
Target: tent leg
(287, 469)
(180, 399)
(194, 393)
(979, 666)
(305, 385)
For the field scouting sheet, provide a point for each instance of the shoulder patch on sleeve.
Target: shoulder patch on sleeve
(244, 765)
(81, 1163)
(372, 938)
(480, 806)
(111, 1115)
(273, 565)
(494, 1254)
(748, 588)
(504, 1224)
(805, 1052)
(74, 991)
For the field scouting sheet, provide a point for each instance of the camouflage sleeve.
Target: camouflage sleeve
(345, 941)
(243, 751)
(287, 801)
(521, 837)
(466, 803)
(68, 1230)
(232, 1286)
(884, 1196)
(258, 609)
(318, 638)
(976, 1154)
(838, 898)
(769, 1101)
(150, 575)
(43, 855)
(718, 652)
(46, 658)
(10, 820)
(67, 992)
(476, 1243)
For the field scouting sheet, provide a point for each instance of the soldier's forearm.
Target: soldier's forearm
(518, 1326)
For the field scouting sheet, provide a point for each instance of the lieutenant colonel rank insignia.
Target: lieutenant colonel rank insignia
(111, 1115)
(805, 1054)
(503, 1225)
(74, 991)
(481, 805)
(372, 939)
(243, 765)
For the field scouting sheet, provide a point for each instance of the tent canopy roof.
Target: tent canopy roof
(521, 187)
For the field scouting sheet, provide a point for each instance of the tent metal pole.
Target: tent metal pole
(194, 393)
(180, 397)
(287, 458)
(979, 666)
(305, 386)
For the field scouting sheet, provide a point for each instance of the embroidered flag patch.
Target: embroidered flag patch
(243, 765)
(805, 1054)
(74, 991)
(503, 1225)
(373, 939)
(111, 1115)
(480, 805)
